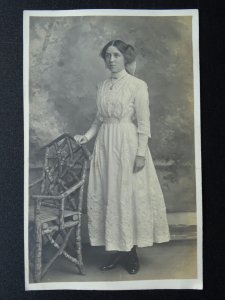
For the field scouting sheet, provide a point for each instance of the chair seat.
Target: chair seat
(48, 214)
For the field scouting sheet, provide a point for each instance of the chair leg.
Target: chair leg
(31, 246)
(47, 247)
(78, 248)
(38, 253)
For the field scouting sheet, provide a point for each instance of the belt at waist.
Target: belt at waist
(109, 120)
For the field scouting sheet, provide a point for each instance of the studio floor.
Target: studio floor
(173, 260)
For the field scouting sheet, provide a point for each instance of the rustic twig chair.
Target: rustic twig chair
(57, 208)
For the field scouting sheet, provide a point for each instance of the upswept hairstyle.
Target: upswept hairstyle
(127, 50)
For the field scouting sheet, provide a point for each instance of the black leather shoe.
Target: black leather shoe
(113, 261)
(132, 263)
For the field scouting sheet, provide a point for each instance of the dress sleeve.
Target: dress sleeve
(93, 130)
(143, 118)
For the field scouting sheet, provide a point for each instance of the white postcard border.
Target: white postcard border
(118, 285)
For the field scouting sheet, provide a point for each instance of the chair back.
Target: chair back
(65, 165)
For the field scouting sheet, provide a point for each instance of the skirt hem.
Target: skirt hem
(128, 248)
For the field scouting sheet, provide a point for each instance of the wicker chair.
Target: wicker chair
(57, 207)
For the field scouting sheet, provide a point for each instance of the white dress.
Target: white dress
(124, 208)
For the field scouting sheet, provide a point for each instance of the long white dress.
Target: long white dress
(124, 208)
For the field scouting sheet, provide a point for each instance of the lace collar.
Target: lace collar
(119, 74)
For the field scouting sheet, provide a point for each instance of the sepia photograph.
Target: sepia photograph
(112, 152)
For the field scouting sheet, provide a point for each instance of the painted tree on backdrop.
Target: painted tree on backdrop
(65, 68)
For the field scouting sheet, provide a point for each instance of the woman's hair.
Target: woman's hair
(127, 50)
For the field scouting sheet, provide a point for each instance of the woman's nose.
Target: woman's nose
(111, 58)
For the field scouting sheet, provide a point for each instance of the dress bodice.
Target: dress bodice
(117, 99)
(125, 98)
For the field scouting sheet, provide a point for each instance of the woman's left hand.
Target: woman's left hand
(139, 163)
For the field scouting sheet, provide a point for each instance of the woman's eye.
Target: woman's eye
(115, 55)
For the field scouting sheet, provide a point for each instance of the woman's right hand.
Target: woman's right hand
(80, 139)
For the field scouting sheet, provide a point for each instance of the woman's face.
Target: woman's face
(114, 59)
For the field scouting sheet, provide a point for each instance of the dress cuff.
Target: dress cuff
(142, 144)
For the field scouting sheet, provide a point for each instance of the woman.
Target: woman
(125, 202)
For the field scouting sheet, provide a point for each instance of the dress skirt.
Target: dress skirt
(124, 208)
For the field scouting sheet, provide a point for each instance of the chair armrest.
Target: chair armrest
(47, 197)
(61, 196)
